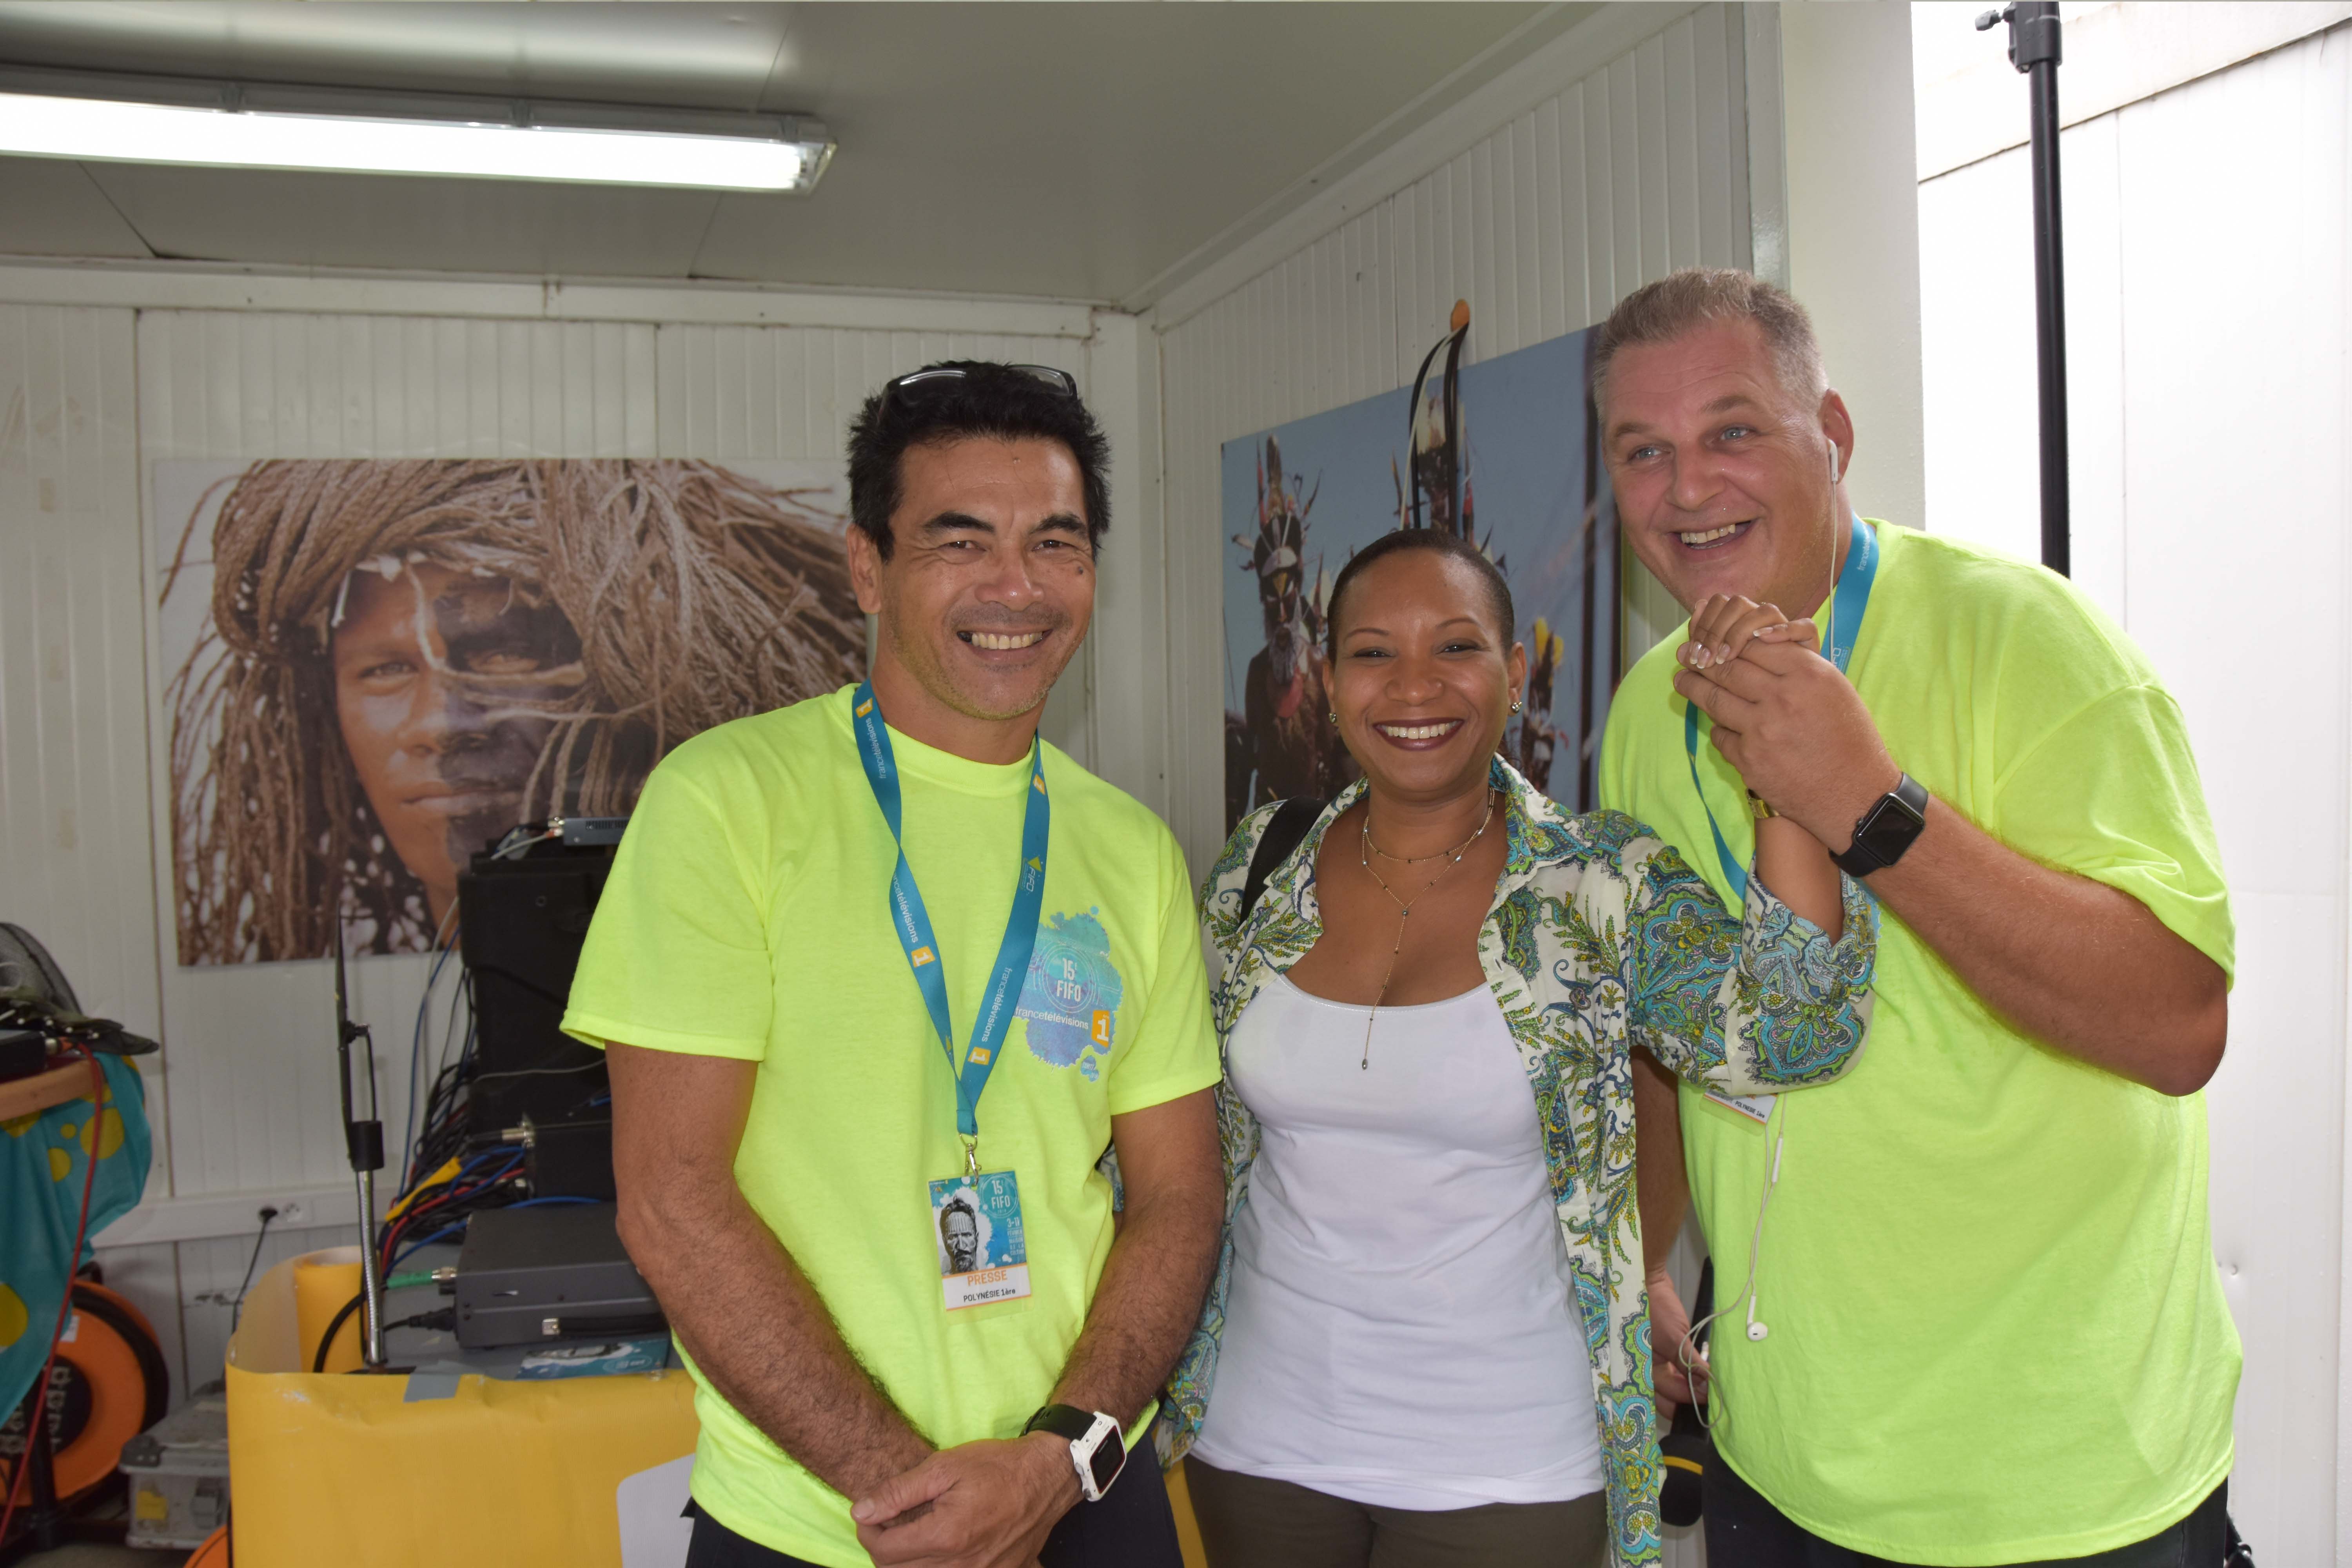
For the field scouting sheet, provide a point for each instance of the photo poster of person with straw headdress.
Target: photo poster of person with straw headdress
(1505, 453)
(372, 669)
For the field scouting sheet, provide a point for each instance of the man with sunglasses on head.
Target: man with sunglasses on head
(883, 969)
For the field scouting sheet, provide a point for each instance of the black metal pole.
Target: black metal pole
(363, 1141)
(2033, 49)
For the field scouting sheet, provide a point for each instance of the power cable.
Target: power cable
(236, 1308)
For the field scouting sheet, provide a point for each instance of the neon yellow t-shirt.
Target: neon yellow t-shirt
(1996, 1330)
(746, 917)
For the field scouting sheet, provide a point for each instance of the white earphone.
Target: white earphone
(1777, 1130)
(1833, 463)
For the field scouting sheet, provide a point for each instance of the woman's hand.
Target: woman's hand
(1725, 624)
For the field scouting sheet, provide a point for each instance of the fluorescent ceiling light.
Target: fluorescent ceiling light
(367, 133)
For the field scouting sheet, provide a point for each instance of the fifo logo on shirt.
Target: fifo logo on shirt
(1070, 997)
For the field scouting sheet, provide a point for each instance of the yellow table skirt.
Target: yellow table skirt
(337, 1469)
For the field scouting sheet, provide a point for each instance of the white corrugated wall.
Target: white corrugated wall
(1637, 169)
(89, 398)
(248, 1065)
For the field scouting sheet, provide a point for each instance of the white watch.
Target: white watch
(1097, 1444)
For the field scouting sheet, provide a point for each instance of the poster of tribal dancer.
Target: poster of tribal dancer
(374, 668)
(1505, 453)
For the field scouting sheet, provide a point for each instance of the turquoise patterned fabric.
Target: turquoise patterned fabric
(43, 1160)
(1600, 939)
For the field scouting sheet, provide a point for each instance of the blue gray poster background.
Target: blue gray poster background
(1539, 505)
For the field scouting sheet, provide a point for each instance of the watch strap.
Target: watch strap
(1063, 1421)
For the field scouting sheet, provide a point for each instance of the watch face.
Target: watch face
(1110, 1457)
(1890, 829)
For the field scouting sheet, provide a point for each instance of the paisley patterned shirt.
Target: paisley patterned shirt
(1600, 938)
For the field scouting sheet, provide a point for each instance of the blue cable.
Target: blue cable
(410, 1250)
(512, 1157)
(475, 1164)
(415, 1057)
(459, 1228)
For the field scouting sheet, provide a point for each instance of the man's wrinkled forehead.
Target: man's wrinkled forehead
(1716, 368)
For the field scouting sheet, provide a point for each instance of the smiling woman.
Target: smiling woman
(1428, 1019)
(404, 659)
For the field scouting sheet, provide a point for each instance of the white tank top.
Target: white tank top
(1400, 1328)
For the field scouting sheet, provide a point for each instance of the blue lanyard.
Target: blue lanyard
(913, 922)
(1847, 607)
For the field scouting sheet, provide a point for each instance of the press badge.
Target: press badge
(1757, 1108)
(983, 1255)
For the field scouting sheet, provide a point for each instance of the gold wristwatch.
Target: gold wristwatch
(1756, 808)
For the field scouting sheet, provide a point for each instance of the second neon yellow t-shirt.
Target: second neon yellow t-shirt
(746, 917)
(1996, 1332)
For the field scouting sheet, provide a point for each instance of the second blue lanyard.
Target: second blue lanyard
(1848, 605)
(912, 921)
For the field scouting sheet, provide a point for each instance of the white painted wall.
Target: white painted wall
(243, 1095)
(1854, 236)
(2209, 360)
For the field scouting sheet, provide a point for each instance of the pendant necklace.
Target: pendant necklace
(1365, 850)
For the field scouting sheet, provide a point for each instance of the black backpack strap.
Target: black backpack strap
(1282, 835)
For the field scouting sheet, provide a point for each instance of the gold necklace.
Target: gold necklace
(1404, 906)
(1403, 859)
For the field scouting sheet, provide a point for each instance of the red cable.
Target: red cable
(73, 1267)
(400, 1224)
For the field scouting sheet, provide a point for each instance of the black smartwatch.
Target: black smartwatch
(1886, 829)
(1097, 1447)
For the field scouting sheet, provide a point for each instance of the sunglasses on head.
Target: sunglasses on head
(922, 382)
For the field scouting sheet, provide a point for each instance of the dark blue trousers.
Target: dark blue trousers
(1132, 1526)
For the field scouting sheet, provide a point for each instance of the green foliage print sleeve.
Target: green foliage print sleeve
(1768, 1003)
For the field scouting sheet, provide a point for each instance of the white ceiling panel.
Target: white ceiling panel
(296, 219)
(1074, 151)
(708, 56)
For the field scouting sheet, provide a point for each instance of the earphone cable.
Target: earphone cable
(1779, 1134)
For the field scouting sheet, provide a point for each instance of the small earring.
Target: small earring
(1514, 704)
(1334, 717)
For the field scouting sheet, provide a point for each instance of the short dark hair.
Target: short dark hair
(989, 399)
(1437, 543)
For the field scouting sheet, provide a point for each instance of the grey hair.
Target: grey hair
(1664, 310)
